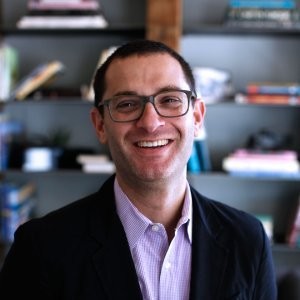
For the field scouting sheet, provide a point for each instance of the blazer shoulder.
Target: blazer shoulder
(75, 216)
(219, 217)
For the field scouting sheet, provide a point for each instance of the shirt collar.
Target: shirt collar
(135, 223)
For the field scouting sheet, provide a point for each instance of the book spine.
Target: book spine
(267, 99)
(273, 89)
(194, 164)
(275, 4)
(203, 154)
(257, 14)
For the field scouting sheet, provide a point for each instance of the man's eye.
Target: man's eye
(127, 105)
(170, 101)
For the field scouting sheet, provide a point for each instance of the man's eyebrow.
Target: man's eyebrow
(125, 93)
(161, 89)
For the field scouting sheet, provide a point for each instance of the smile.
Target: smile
(151, 144)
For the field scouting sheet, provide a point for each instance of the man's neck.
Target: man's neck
(161, 202)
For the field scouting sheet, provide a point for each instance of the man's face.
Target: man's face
(152, 147)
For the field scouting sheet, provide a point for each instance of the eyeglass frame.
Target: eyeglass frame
(150, 99)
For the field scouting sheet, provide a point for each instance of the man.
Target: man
(146, 234)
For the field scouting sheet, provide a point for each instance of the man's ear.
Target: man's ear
(98, 122)
(199, 113)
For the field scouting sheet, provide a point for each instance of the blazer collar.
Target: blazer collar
(209, 253)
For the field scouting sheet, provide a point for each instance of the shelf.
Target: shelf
(228, 177)
(224, 30)
(282, 248)
(52, 101)
(233, 104)
(111, 30)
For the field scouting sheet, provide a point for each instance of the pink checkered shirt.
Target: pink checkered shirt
(163, 269)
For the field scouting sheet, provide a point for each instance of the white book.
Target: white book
(79, 22)
(105, 167)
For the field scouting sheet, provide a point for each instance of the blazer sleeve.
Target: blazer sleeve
(265, 287)
(21, 276)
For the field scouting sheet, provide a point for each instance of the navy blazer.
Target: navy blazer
(81, 252)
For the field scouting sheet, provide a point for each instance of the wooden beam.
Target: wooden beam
(164, 22)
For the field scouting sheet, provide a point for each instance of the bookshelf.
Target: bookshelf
(248, 54)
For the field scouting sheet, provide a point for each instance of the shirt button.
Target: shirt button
(155, 227)
(168, 265)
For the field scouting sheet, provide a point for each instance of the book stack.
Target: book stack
(63, 14)
(270, 93)
(96, 163)
(244, 162)
(9, 64)
(275, 14)
(16, 207)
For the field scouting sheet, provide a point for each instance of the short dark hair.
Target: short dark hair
(139, 47)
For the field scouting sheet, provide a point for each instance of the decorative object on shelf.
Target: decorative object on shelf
(39, 77)
(213, 85)
(88, 91)
(39, 159)
(43, 152)
(262, 14)
(63, 14)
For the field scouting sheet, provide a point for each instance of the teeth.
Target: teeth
(149, 144)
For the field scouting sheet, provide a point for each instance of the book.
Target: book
(10, 131)
(276, 99)
(37, 78)
(9, 66)
(194, 165)
(262, 14)
(41, 5)
(63, 14)
(272, 163)
(96, 163)
(280, 4)
(69, 22)
(272, 88)
(16, 207)
(256, 14)
(293, 235)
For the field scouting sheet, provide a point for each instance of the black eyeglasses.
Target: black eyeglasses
(169, 104)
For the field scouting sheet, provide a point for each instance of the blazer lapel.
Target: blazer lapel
(115, 266)
(113, 261)
(209, 256)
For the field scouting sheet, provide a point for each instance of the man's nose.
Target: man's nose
(150, 119)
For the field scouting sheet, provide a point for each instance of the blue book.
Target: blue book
(16, 207)
(203, 154)
(194, 165)
(272, 4)
(8, 130)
